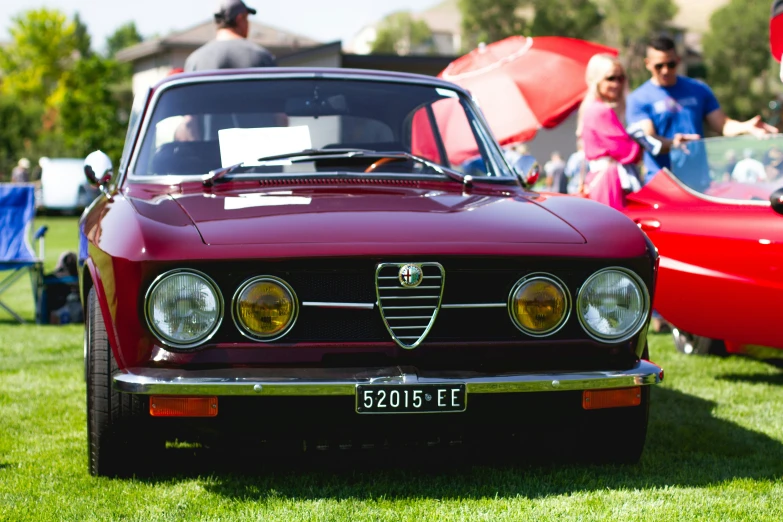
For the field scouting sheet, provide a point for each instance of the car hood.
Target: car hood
(372, 216)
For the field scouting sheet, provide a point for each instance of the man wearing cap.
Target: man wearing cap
(230, 49)
(21, 173)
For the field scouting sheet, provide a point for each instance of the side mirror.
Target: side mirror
(776, 199)
(528, 170)
(97, 168)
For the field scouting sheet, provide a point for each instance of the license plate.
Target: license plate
(406, 398)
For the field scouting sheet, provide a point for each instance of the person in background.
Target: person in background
(731, 161)
(749, 169)
(611, 151)
(21, 173)
(773, 163)
(230, 49)
(523, 157)
(576, 168)
(556, 180)
(673, 108)
(510, 154)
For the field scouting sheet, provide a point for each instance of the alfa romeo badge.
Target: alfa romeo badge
(410, 276)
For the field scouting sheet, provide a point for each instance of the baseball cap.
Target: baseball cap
(230, 9)
(776, 30)
(24, 163)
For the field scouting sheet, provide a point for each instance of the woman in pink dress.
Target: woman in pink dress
(612, 153)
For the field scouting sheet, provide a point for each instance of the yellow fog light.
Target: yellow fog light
(265, 308)
(539, 305)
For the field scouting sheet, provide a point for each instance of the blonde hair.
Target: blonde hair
(598, 68)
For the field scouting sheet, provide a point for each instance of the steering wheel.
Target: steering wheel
(382, 161)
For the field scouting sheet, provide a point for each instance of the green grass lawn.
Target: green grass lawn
(714, 452)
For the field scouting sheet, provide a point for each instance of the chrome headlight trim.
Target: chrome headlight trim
(235, 304)
(544, 277)
(640, 321)
(204, 337)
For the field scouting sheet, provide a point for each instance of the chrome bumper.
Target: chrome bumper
(343, 381)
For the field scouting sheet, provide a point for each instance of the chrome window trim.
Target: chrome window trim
(545, 277)
(253, 336)
(204, 338)
(641, 321)
(329, 74)
(715, 199)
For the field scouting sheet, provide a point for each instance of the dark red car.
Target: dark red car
(716, 220)
(301, 254)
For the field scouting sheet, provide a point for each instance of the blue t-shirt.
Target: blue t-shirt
(679, 109)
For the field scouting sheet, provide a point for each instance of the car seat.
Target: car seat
(186, 157)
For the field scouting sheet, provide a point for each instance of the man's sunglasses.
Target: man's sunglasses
(620, 78)
(669, 65)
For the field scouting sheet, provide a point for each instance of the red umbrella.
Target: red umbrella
(523, 84)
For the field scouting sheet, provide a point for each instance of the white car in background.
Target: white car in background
(63, 185)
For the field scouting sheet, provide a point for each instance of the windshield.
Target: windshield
(199, 127)
(741, 168)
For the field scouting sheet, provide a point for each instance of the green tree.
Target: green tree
(492, 20)
(573, 18)
(740, 68)
(94, 109)
(628, 24)
(81, 35)
(400, 33)
(124, 36)
(21, 124)
(42, 48)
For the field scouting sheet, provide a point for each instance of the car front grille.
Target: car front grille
(409, 303)
(463, 283)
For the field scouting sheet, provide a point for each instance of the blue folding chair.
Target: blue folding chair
(17, 210)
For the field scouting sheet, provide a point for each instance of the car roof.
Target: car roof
(309, 72)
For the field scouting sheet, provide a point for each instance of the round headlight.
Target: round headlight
(612, 305)
(539, 305)
(184, 308)
(265, 308)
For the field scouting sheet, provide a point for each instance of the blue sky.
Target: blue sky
(324, 20)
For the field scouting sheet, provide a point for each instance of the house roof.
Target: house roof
(194, 37)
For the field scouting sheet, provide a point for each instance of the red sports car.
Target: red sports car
(300, 254)
(716, 220)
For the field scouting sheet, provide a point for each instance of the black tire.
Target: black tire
(689, 344)
(113, 418)
(617, 435)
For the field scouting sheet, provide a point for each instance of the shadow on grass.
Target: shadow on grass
(775, 379)
(686, 446)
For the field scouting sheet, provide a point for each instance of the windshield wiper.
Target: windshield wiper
(465, 179)
(307, 154)
(213, 176)
(298, 157)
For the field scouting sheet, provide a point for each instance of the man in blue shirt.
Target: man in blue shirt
(672, 109)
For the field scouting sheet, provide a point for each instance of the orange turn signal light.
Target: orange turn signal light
(619, 398)
(172, 406)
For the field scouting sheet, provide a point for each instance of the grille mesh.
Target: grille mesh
(409, 312)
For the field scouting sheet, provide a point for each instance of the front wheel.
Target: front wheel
(112, 417)
(690, 344)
